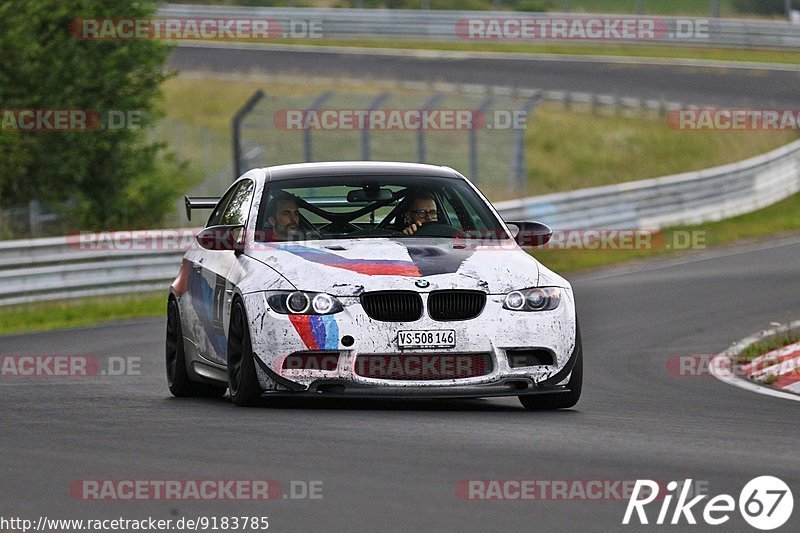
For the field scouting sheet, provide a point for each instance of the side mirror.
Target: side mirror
(531, 233)
(222, 238)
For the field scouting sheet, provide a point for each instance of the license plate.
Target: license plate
(429, 338)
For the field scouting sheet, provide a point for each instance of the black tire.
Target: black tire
(242, 377)
(561, 400)
(177, 376)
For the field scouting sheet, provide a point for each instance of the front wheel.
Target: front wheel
(560, 400)
(177, 376)
(242, 377)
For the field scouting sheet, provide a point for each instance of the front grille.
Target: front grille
(392, 306)
(423, 367)
(455, 305)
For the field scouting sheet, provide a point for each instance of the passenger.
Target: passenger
(284, 217)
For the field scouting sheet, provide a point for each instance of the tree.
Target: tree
(109, 177)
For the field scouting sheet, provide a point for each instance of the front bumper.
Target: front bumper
(276, 336)
(342, 388)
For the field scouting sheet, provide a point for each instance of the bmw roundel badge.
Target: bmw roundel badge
(421, 283)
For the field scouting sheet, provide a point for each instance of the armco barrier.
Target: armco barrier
(689, 198)
(57, 268)
(434, 25)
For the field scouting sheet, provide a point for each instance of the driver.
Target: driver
(284, 217)
(421, 209)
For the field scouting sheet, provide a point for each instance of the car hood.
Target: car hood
(347, 267)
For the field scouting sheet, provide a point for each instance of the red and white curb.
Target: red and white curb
(780, 368)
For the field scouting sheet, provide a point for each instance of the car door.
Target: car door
(198, 302)
(216, 269)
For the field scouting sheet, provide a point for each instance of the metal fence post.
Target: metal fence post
(518, 175)
(318, 101)
(237, 125)
(432, 101)
(34, 217)
(376, 102)
(473, 139)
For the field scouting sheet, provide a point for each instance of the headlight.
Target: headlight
(515, 300)
(297, 303)
(323, 303)
(536, 299)
(304, 303)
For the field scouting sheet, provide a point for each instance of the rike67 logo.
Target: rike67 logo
(765, 503)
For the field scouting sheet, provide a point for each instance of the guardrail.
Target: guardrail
(59, 267)
(688, 198)
(353, 24)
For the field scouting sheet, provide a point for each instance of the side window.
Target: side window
(238, 208)
(216, 214)
(223, 210)
(463, 212)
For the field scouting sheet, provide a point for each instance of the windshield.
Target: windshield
(371, 207)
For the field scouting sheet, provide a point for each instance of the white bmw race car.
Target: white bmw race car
(367, 279)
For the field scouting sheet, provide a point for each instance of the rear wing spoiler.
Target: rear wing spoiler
(199, 202)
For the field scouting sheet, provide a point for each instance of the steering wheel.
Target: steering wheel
(439, 229)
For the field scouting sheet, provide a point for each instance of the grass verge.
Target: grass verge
(42, 316)
(581, 49)
(775, 219)
(566, 149)
(768, 344)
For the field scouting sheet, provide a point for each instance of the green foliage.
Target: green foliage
(61, 314)
(534, 5)
(760, 7)
(114, 177)
(779, 340)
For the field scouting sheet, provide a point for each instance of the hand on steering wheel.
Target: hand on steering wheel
(412, 229)
(433, 229)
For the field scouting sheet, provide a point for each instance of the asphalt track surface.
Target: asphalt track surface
(752, 87)
(394, 465)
